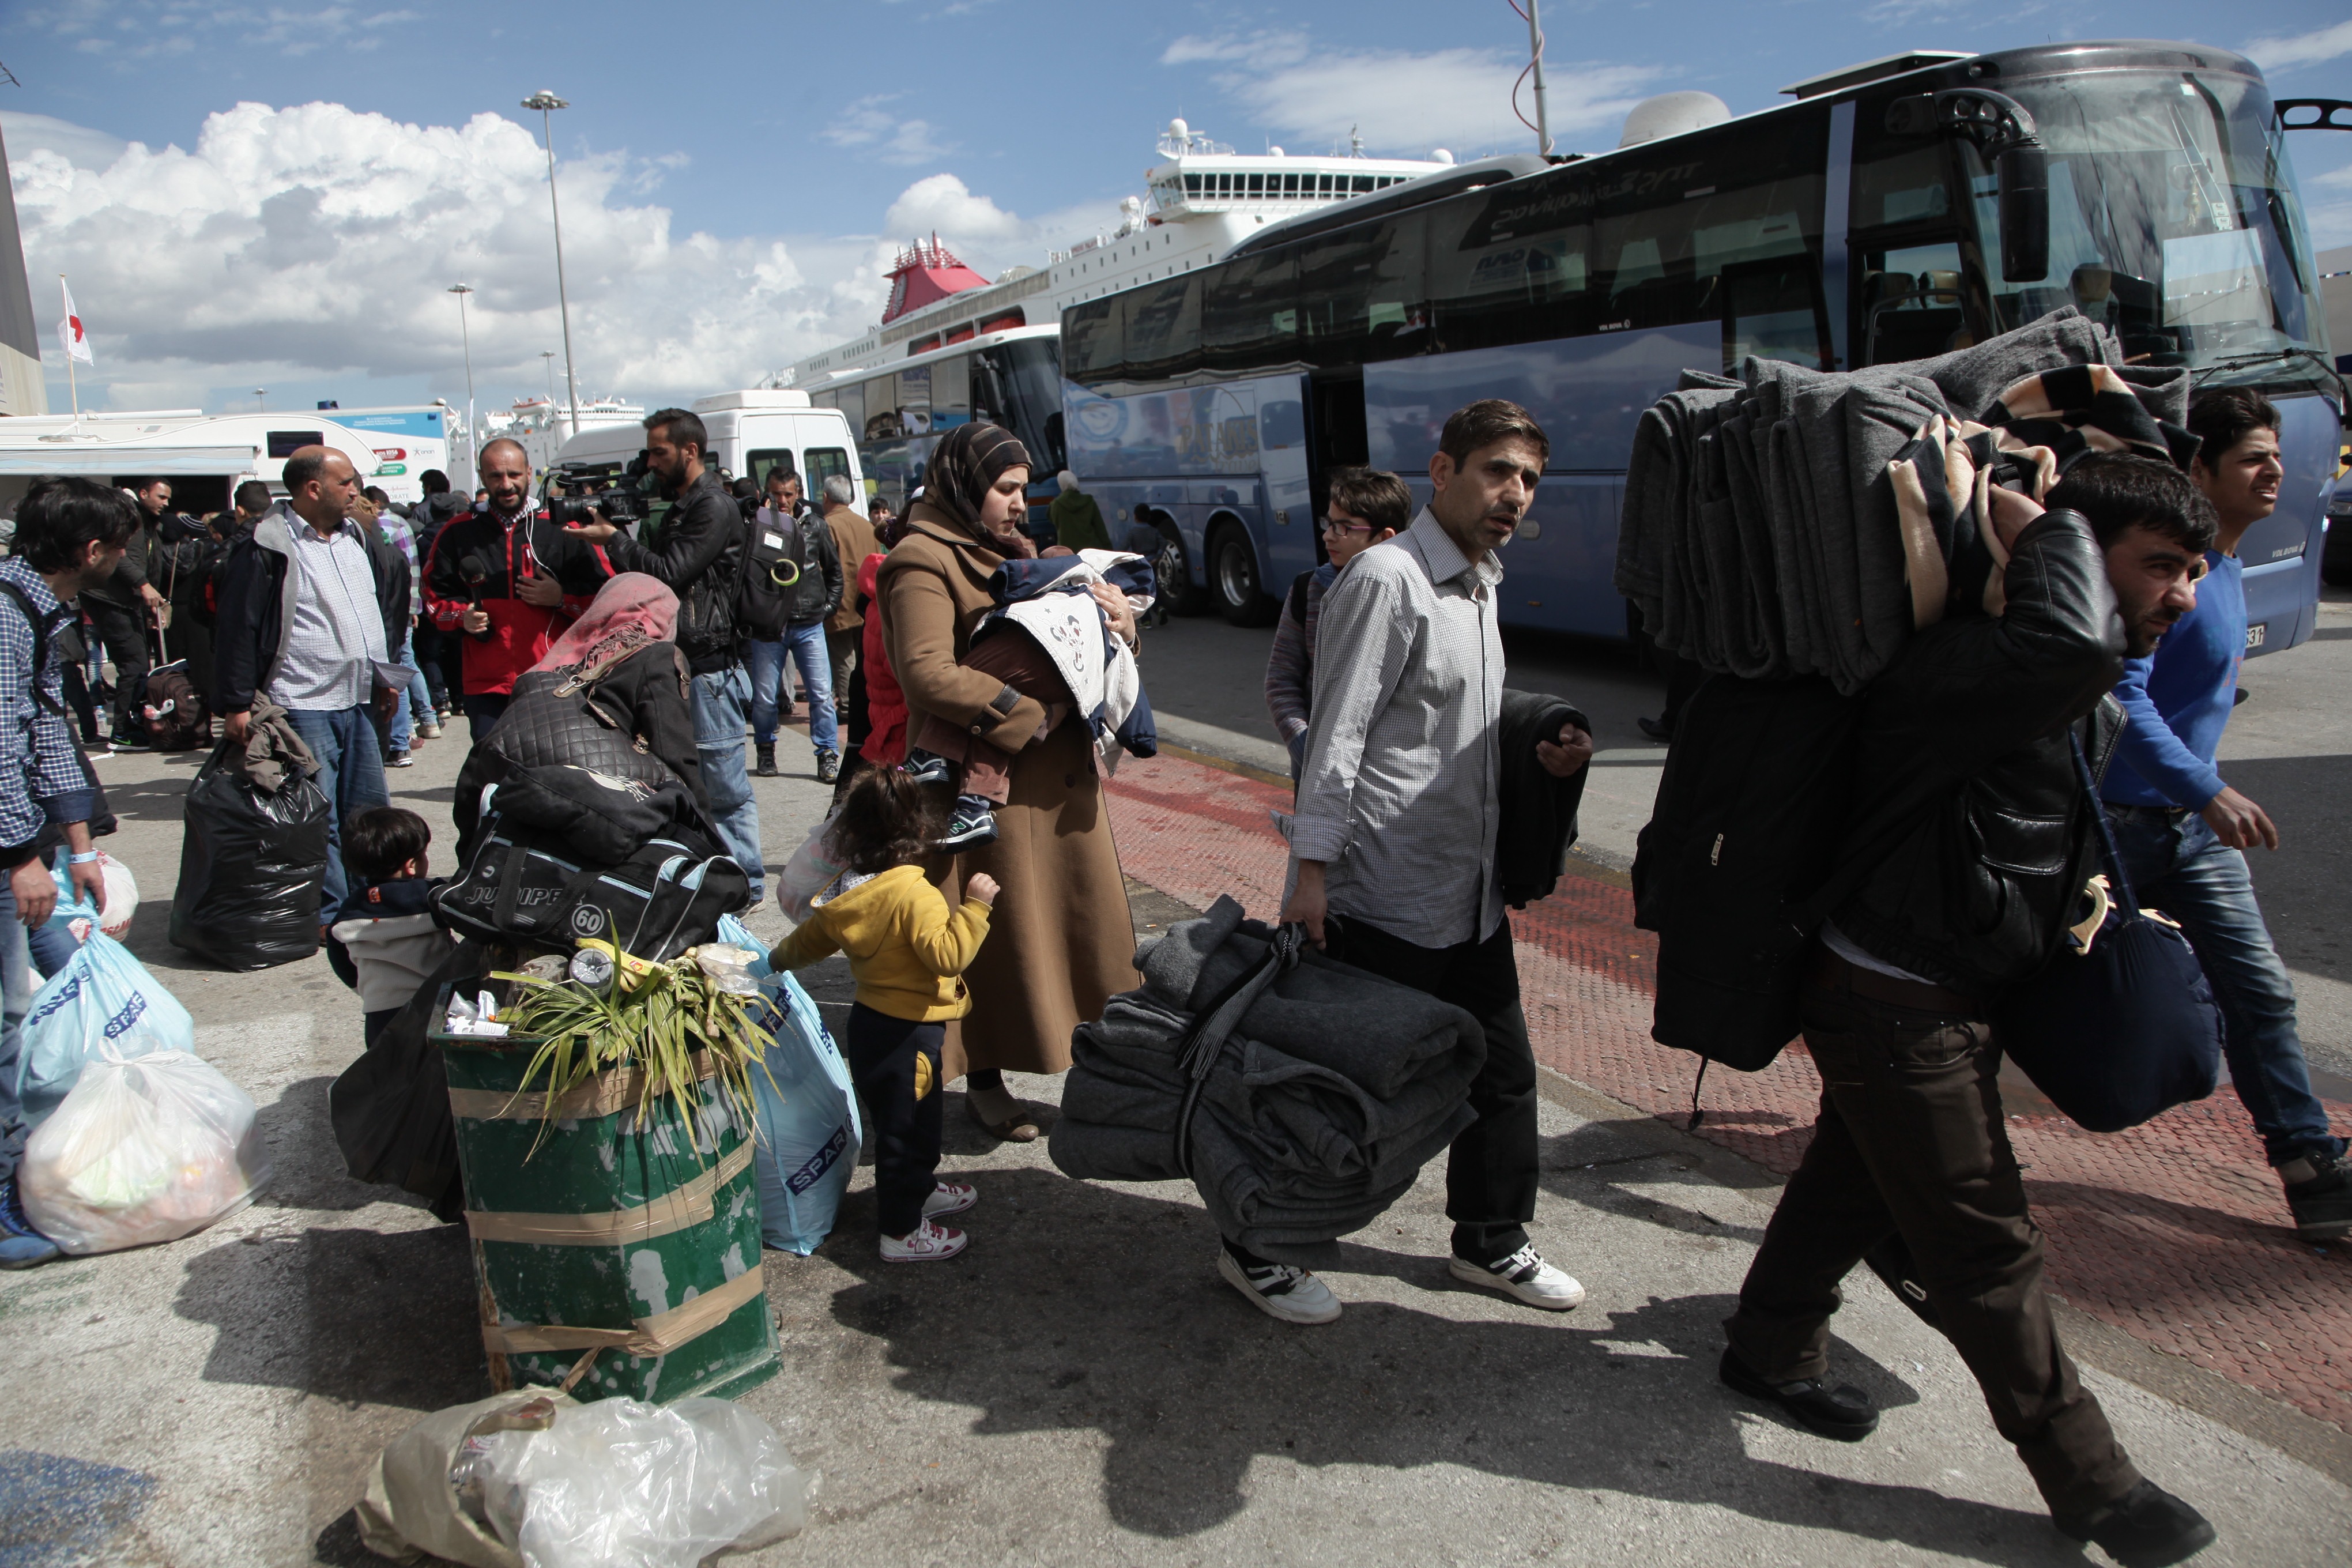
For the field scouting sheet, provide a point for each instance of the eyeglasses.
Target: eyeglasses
(1337, 525)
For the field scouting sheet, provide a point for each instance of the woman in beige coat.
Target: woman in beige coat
(1061, 943)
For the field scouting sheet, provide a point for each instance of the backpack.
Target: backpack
(530, 884)
(173, 712)
(101, 820)
(1731, 870)
(774, 561)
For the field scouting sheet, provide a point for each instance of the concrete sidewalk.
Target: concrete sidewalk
(1079, 1388)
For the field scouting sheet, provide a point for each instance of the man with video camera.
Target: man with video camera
(502, 582)
(698, 554)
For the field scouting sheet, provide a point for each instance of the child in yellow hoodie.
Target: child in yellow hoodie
(907, 952)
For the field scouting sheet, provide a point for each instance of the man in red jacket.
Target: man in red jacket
(502, 582)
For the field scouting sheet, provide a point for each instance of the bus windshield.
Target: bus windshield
(2173, 217)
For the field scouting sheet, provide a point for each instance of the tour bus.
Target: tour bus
(901, 409)
(1863, 224)
(752, 432)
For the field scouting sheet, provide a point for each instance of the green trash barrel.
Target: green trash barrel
(615, 1235)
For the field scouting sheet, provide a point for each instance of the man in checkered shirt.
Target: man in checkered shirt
(70, 533)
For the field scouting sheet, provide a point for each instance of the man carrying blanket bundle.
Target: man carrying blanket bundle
(1393, 852)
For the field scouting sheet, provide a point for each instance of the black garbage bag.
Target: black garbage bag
(391, 1107)
(251, 864)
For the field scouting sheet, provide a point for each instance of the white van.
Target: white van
(751, 433)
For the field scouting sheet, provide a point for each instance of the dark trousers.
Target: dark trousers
(124, 634)
(429, 643)
(483, 711)
(895, 1063)
(372, 1025)
(1911, 1141)
(1490, 1178)
(76, 690)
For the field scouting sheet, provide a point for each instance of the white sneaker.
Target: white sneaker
(927, 1243)
(1280, 1290)
(1526, 1276)
(950, 1198)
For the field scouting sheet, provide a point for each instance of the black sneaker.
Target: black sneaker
(925, 768)
(767, 760)
(400, 760)
(128, 745)
(828, 766)
(2322, 1202)
(2147, 1527)
(1842, 1415)
(973, 825)
(21, 1246)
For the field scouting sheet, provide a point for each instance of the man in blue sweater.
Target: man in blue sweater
(2181, 830)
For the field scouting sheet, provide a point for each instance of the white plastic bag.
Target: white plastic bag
(119, 904)
(150, 1149)
(622, 1484)
(102, 998)
(808, 1113)
(812, 866)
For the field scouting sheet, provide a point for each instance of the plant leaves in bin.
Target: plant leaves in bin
(656, 1017)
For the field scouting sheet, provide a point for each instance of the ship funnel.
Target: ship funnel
(1671, 114)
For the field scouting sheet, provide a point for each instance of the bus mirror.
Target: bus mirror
(2023, 177)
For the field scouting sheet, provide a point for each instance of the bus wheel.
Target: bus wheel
(1176, 585)
(1232, 572)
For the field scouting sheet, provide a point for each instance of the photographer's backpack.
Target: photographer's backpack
(773, 559)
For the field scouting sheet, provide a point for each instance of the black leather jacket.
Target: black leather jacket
(698, 554)
(1972, 835)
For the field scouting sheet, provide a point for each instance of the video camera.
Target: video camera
(616, 494)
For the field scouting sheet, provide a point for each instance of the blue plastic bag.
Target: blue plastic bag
(101, 996)
(809, 1130)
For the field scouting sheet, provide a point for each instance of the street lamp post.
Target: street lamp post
(547, 104)
(464, 334)
(258, 393)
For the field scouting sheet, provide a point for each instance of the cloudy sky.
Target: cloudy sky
(258, 196)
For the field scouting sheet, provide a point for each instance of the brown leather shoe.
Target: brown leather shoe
(1020, 1128)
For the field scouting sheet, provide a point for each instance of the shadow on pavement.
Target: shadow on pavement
(1090, 1307)
(387, 1318)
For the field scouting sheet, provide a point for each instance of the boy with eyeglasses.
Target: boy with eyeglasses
(2181, 830)
(1367, 506)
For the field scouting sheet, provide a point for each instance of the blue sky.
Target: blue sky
(731, 188)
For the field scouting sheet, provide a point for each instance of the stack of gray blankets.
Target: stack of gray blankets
(1790, 522)
(1316, 1112)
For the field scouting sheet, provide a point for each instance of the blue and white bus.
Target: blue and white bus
(1863, 224)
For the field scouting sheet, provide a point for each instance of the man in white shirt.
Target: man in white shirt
(1392, 850)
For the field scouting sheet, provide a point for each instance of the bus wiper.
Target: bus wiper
(2244, 361)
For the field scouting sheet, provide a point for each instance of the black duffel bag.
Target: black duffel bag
(527, 884)
(251, 865)
(2120, 1027)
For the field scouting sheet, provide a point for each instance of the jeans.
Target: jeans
(804, 643)
(887, 1060)
(2177, 865)
(350, 772)
(416, 698)
(1910, 1142)
(1490, 1173)
(719, 700)
(16, 999)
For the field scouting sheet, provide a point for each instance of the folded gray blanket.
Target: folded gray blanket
(1317, 1110)
(1762, 535)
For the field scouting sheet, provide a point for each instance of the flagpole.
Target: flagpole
(73, 384)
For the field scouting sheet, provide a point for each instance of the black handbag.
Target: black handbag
(2120, 1025)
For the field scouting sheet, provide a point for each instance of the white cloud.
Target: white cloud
(2301, 49)
(1405, 103)
(942, 202)
(867, 126)
(76, 144)
(314, 240)
(127, 31)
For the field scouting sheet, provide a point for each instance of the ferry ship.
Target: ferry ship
(1202, 200)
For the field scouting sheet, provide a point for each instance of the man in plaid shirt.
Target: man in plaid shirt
(70, 533)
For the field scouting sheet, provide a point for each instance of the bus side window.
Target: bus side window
(1911, 302)
(1512, 269)
(1772, 309)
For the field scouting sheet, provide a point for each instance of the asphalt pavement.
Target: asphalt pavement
(1079, 1388)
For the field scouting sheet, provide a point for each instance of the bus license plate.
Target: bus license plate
(2254, 634)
